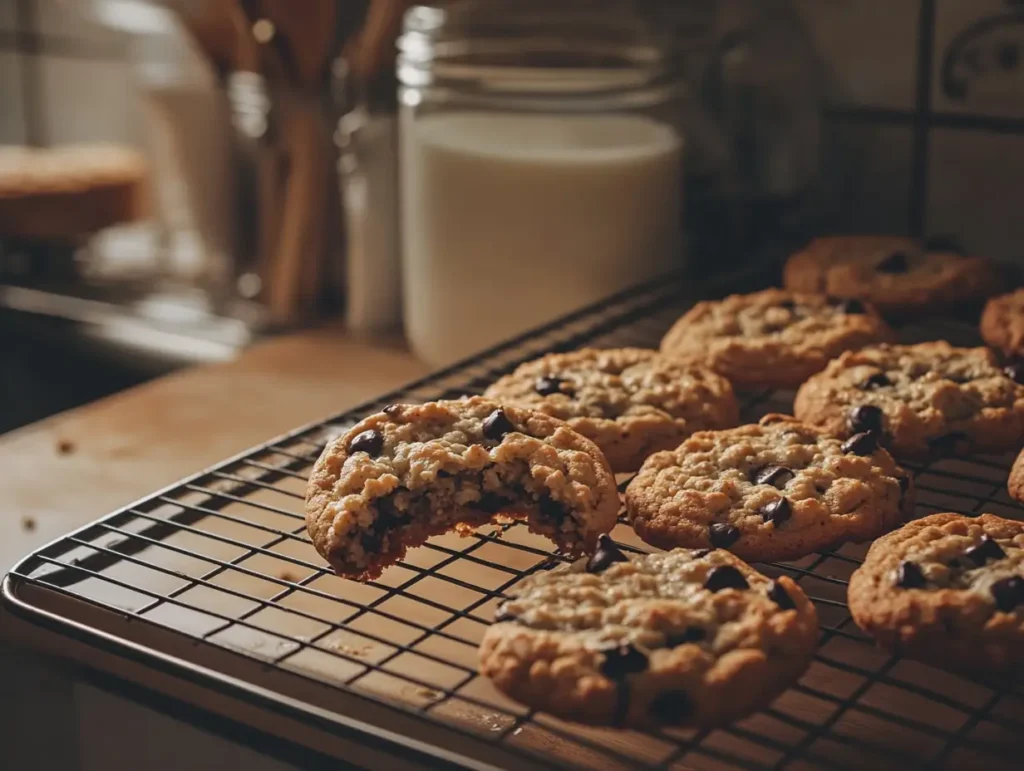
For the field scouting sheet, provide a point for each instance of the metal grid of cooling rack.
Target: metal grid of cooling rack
(222, 562)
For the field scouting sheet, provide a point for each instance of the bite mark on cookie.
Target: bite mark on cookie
(411, 472)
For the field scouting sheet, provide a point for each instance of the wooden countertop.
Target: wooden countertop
(63, 472)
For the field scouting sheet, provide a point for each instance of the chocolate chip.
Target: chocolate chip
(388, 514)
(852, 307)
(909, 576)
(1014, 370)
(497, 424)
(776, 476)
(502, 614)
(861, 444)
(548, 385)
(389, 517)
(897, 262)
(670, 707)
(722, 535)
(983, 551)
(947, 443)
(904, 484)
(778, 511)
(371, 442)
(492, 503)
(878, 380)
(1008, 593)
(391, 409)
(607, 554)
(691, 634)
(725, 577)
(622, 660)
(700, 553)
(551, 509)
(371, 540)
(622, 699)
(787, 304)
(778, 595)
(866, 417)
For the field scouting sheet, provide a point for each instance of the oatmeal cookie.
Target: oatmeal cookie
(1002, 323)
(630, 401)
(899, 276)
(926, 399)
(695, 638)
(776, 490)
(773, 338)
(1015, 483)
(414, 471)
(947, 589)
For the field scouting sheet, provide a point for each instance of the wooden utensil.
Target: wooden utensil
(210, 24)
(302, 42)
(374, 47)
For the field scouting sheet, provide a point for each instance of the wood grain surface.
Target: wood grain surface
(63, 472)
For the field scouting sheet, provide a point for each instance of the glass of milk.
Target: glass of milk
(541, 156)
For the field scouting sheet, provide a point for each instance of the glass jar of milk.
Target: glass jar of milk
(541, 166)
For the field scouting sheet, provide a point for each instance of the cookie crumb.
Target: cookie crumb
(28, 524)
(65, 447)
(422, 692)
(287, 575)
(356, 651)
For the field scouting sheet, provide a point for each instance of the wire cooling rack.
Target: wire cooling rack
(215, 580)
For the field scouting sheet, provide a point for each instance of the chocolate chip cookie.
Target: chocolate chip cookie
(772, 338)
(1002, 323)
(899, 276)
(925, 399)
(695, 638)
(1015, 483)
(414, 471)
(947, 589)
(776, 490)
(630, 401)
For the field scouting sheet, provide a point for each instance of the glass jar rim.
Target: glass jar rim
(617, 15)
(531, 46)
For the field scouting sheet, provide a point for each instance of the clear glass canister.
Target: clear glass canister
(541, 158)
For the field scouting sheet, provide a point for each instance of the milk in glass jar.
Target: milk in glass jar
(541, 158)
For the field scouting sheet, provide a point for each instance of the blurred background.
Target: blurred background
(179, 179)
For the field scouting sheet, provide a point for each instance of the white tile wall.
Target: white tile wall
(975, 191)
(869, 47)
(996, 59)
(90, 99)
(12, 124)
